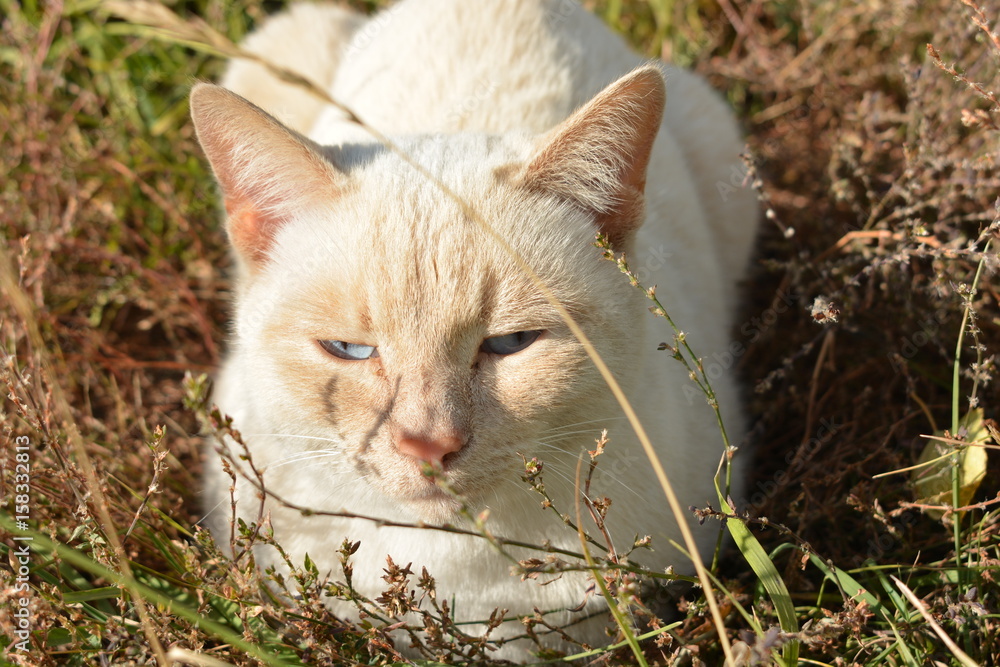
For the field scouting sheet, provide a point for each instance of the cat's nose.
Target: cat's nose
(431, 450)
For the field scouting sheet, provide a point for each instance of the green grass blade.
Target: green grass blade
(749, 618)
(762, 566)
(906, 612)
(614, 647)
(103, 593)
(849, 585)
(42, 543)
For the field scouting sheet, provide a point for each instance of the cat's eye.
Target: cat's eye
(510, 343)
(349, 351)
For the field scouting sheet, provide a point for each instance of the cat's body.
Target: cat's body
(351, 244)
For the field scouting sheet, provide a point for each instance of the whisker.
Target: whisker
(567, 435)
(288, 435)
(605, 475)
(211, 511)
(555, 471)
(309, 454)
(304, 456)
(549, 446)
(590, 421)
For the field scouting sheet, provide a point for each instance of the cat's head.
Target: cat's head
(398, 326)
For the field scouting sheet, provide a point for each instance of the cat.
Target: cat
(379, 329)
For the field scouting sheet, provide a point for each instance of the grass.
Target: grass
(875, 159)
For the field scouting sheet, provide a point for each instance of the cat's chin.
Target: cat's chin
(432, 505)
(408, 487)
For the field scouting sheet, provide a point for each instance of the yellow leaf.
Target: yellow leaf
(932, 478)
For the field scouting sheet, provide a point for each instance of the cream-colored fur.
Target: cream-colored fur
(338, 239)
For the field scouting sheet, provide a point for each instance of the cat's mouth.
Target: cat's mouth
(432, 503)
(434, 494)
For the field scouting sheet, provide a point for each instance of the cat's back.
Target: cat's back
(491, 66)
(503, 66)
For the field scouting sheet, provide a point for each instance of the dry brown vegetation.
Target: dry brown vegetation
(876, 160)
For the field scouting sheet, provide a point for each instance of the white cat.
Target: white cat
(378, 327)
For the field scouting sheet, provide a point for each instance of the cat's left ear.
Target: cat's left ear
(597, 158)
(267, 172)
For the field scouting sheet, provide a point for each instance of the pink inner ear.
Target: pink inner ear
(249, 231)
(598, 157)
(267, 172)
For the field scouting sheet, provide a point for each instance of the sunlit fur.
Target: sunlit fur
(346, 242)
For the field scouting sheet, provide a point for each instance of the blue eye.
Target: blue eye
(510, 343)
(349, 351)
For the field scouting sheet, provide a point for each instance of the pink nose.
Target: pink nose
(430, 450)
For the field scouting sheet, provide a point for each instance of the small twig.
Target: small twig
(595, 513)
(979, 18)
(950, 69)
(961, 655)
(948, 509)
(159, 454)
(533, 476)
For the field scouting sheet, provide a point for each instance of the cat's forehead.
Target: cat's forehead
(429, 263)
(399, 251)
(441, 206)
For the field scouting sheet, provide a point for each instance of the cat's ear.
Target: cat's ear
(267, 172)
(597, 158)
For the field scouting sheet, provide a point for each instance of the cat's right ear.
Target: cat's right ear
(597, 158)
(267, 172)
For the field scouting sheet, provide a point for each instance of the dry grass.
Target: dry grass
(878, 167)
